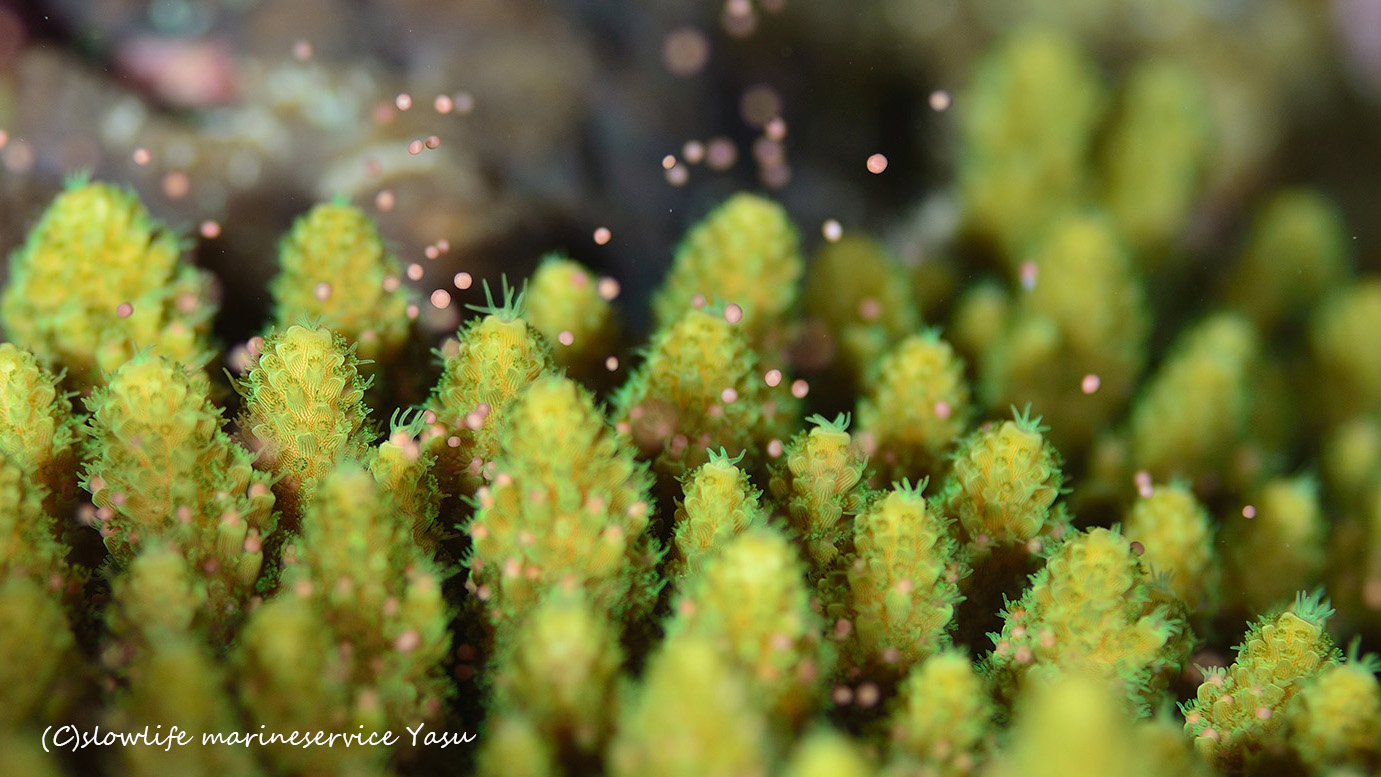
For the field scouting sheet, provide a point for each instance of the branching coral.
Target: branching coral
(744, 253)
(498, 354)
(99, 280)
(1093, 608)
(303, 412)
(333, 268)
(1238, 713)
(720, 503)
(161, 470)
(568, 504)
(903, 579)
(681, 576)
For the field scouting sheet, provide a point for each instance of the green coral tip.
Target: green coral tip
(839, 424)
(512, 301)
(904, 486)
(722, 455)
(1313, 607)
(1026, 423)
(410, 421)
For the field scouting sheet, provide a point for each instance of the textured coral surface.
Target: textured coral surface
(408, 387)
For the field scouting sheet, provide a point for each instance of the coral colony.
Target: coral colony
(1012, 540)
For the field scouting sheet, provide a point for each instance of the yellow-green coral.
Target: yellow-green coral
(565, 303)
(1177, 540)
(1348, 378)
(942, 722)
(752, 603)
(37, 428)
(1239, 712)
(862, 297)
(36, 677)
(1076, 341)
(1029, 115)
(498, 354)
(692, 715)
(304, 411)
(1351, 458)
(22, 753)
(697, 389)
(720, 503)
(1156, 153)
(1005, 479)
(161, 470)
(1296, 250)
(819, 480)
(1335, 719)
(156, 595)
(830, 623)
(29, 545)
(177, 680)
(558, 670)
(1275, 547)
(824, 752)
(1211, 363)
(355, 638)
(333, 268)
(357, 564)
(513, 747)
(903, 580)
(744, 253)
(98, 280)
(568, 504)
(404, 471)
(522, 482)
(291, 674)
(172, 676)
(915, 407)
(980, 318)
(1094, 608)
(1075, 724)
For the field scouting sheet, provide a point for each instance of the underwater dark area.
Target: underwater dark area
(910, 388)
